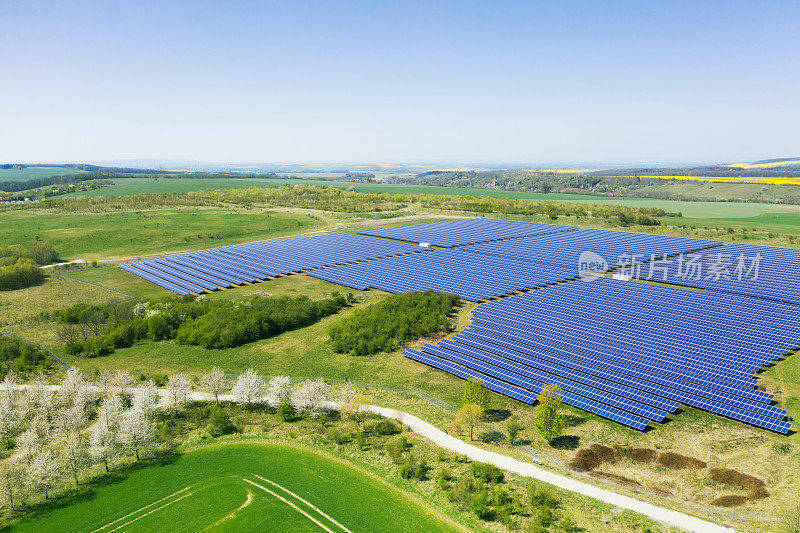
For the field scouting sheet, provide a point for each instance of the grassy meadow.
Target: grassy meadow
(122, 234)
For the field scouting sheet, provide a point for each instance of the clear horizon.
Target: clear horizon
(446, 82)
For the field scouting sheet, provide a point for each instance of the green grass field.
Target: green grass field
(32, 173)
(243, 487)
(111, 235)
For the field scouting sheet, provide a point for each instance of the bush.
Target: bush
(220, 422)
(539, 497)
(480, 506)
(389, 324)
(286, 412)
(383, 428)
(487, 473)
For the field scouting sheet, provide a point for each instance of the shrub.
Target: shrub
(220, 422)
(588, 459)
(383, 428)
(443, 478)
(487, 473)
(479, 505)
(539, 497)
(286, 412)
(387, 325)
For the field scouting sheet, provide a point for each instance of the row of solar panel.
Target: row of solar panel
(208, 270)
(458, 232)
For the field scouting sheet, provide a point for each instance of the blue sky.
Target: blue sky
(447, 82)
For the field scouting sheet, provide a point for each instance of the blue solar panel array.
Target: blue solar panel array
(458, 232)
(763, 271)
(472, 276)
(630, 352)
(615, 247)
(622, 348)
(208, 270)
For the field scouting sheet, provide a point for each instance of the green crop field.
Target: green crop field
(32, 173)
(120, 234)
(243, 487)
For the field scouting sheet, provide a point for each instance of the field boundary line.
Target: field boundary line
(129, 522)
(140, 509)
(295, 507)
(317, 509)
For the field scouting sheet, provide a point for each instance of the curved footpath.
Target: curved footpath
(440, 438)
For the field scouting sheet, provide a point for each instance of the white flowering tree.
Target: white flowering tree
(110, 412)
(104, 444)
(122, 382)
(28, 443)
(346, 393)
(310, 397)
(76, 454)
(146, 398)
(10, 479)
(214, 382)
(8, 387)
(137, 431)
(41, 397)
(73, 384)
(178, 388)
(279, 390)
(248, 388)
(44, 472)
(9, 419)
(72, 419)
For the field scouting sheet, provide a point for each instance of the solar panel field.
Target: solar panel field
(626, 351)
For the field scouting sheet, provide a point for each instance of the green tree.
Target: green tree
(548, 419)
(476, 392)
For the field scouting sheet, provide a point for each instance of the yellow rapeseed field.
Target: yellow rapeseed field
(728, 179)
(765, 165)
